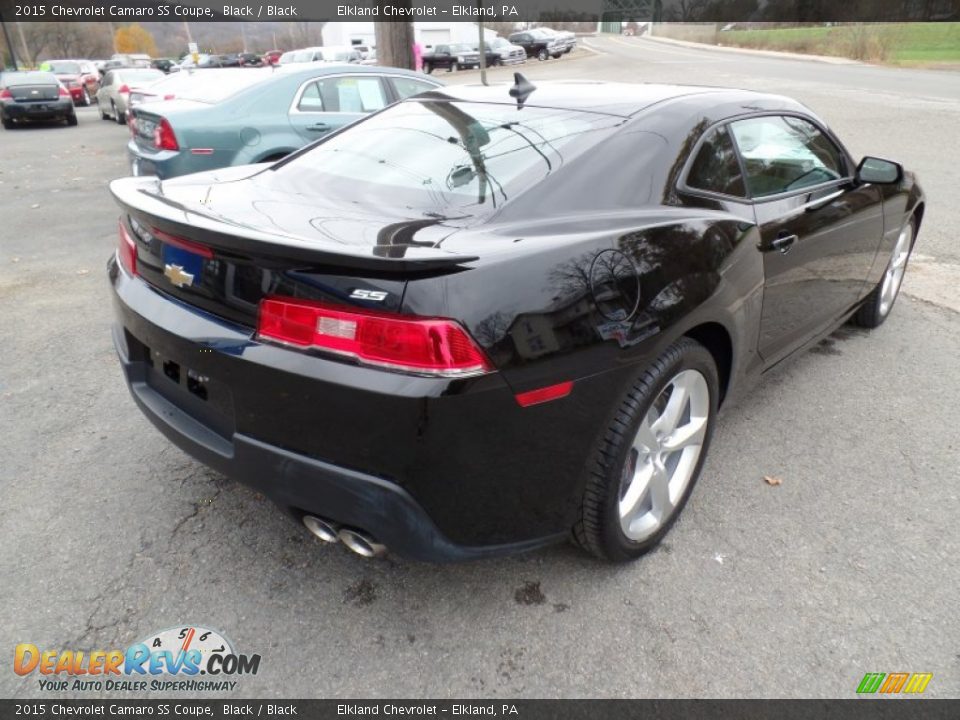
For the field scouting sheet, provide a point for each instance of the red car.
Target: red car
(80, 77)
(272, 57)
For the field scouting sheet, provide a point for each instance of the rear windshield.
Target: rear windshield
(29, 78)
(438, 155)
(337, 55)
(461, 47)
(65, 68)
(141, 76)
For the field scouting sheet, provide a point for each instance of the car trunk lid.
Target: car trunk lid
(187, 248)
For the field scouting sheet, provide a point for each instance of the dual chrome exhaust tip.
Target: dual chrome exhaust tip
(356, 540)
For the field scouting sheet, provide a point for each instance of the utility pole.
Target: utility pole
(113, 36)
(395, 42)
(483, 52)
(13, 53)
(243, 34)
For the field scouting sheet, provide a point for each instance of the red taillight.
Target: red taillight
(128, 251)
(163, 137)
(433, 346)
(5, 94)
(64, 92)
(545, 394)
(170, 96)
(124, 90)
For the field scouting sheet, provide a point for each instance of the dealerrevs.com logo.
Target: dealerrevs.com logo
(189, 658)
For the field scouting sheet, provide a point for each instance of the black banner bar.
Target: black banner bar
(489, 10)
(854, 709)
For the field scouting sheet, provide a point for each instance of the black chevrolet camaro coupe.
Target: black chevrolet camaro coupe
(486, 319)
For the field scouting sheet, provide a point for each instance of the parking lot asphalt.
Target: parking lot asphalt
(849, 566)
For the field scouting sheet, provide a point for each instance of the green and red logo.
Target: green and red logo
(894, 683)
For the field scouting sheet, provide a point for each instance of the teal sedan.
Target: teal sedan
(263, 121)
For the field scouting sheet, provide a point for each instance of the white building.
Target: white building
(425, 33)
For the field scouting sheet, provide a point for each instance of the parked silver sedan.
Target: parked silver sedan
(114, 94)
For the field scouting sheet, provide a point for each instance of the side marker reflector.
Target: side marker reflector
(544, 394)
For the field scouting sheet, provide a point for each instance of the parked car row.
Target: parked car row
(328, 54)
(544, 43)
(541, 43)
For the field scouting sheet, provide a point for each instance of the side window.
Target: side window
(716, 167)
(406, 87)
(344, 94)
(310, 100)
(783, 153)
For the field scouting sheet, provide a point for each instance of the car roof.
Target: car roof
(613, 98)
(312, 69)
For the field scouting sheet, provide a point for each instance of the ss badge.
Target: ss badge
(372, 295)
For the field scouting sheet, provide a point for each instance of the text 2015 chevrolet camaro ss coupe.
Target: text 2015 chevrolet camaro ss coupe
(486, 319)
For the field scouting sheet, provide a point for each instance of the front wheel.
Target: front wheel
(427, 68)
(646, 463)
(454, 67)
(543, 55)
(876, 308)
(72, 119)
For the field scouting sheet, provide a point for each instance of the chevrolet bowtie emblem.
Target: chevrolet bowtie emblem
(176, 275)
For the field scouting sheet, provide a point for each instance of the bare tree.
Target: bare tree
(63, 40)
(305, 34)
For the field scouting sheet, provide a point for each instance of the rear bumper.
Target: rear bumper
(432, 513)
(172, 163)
(49, 110)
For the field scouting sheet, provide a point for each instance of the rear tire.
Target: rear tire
(72, 119)
(7, 124)
(645, 464)
(876, 308)
(427, 68)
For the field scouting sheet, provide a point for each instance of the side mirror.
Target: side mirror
(879, 171)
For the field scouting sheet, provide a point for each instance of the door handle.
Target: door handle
(318, 127)
(783, 242)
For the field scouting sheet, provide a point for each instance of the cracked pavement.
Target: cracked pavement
(849, 566)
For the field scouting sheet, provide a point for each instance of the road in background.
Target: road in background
(847, 567)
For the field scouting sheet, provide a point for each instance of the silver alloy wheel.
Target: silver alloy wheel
(664, 455)
(894, 274)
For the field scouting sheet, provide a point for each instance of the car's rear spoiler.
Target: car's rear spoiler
(143, 199)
